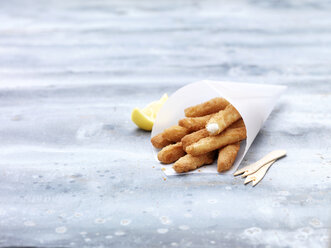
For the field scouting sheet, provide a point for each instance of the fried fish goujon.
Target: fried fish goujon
(175, 133)
(212, 143)
(195, 123)
(222, 120)
(238, 123)
(171, 153)
(203, 133)
(194, 137)
(188, 162)
(212, 106)
(226, 156)
(158, 141)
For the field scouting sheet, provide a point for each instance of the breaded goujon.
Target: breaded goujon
(194, 137)
(158, 141)
(188, 162)
(195, 123)
(171, 153)
(226, 156)
(175, 133)
(212, 106)
(212, 143)
(222, 120)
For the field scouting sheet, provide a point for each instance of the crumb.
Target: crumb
(153, 166)
(163, 169)
(164, 179)
(16, 118)
(199, 170)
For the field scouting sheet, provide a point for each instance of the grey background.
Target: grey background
(74, 170)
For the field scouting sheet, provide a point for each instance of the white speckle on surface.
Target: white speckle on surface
(265, 210)
(83, 233)
(149, 209)
(61, 229)
(301, 236)
(280, 238)
(99, 221)
(29, 223)
(162, 230)
(283, 193)
(2, 212)
(109, 237)
(228, 188)
(212, 201)
(252, 231)
(50, 211)
(188, 215)
(306, 230)
(309, 199)
(281, 198)
(77, 215)
(215, 214)
(119, 233)
(188, 244)
(97, 234)
(174, 244)
(184, 227)
(89, 131)
(324, 239)
(87, 240)
(125, 222)
(165, 220)
(315, 223)
(212, 242)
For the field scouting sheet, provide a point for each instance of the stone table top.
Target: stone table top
(74, 170)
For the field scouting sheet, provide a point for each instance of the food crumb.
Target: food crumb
(163, 169)
(153, 166)
(164, 179)
(199, 170)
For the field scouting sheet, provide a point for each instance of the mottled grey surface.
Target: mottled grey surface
(74, 170)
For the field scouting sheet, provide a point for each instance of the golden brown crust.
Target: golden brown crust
(194, 137)
(212, 106)
(188, 162)
(175, 133)
(171, 153)
(224, 119)
(211, 143)
(238, 123)
(226, 156)
(158, 141)
(195, 123)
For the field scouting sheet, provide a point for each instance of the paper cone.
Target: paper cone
(253, 101)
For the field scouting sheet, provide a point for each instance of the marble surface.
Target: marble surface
(74, 170)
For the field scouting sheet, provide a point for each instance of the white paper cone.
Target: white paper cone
(253, 101)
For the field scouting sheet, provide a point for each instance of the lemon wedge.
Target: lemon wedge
(144, 118)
